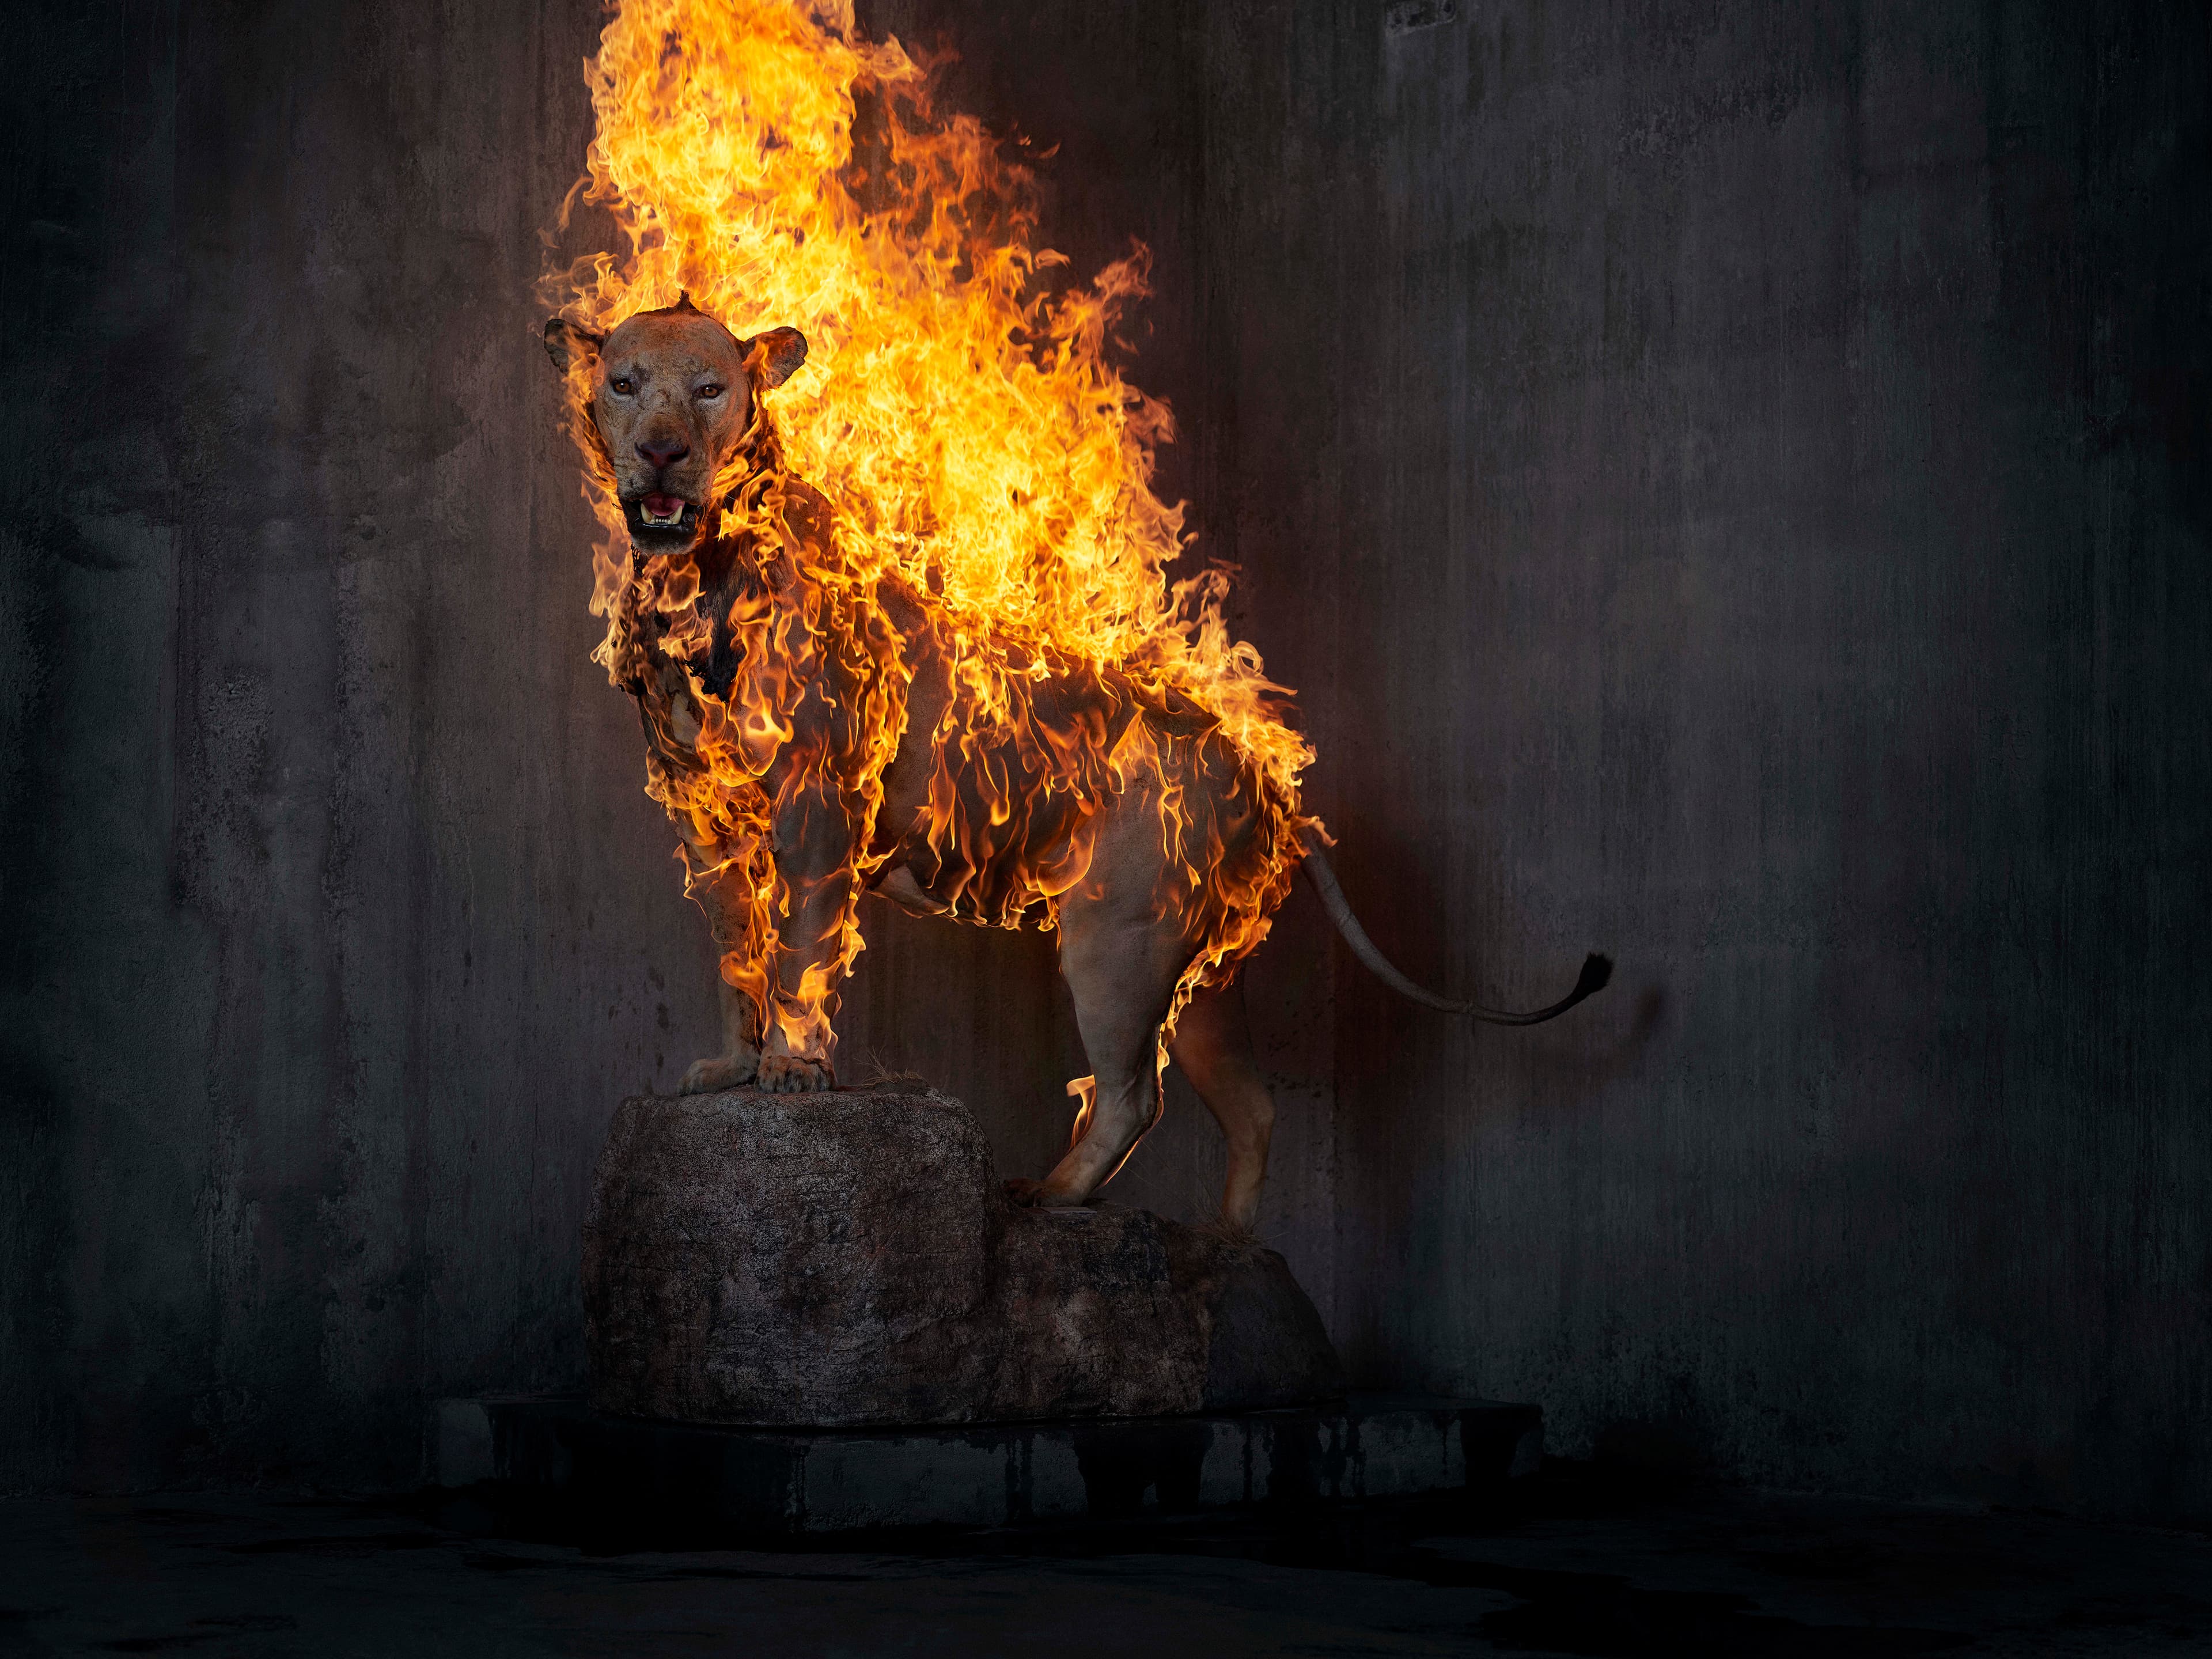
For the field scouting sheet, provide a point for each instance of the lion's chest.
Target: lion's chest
(675, 687)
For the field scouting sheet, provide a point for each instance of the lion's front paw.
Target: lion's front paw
(789, 1074)
(704, 1076)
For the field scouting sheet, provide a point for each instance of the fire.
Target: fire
(963, 418)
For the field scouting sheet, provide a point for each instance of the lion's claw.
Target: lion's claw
(718, 1071)
(792, 1074)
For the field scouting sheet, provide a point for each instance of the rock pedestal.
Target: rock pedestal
(848, 1258)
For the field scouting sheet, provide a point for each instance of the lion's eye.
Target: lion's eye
(710, 390)
(622, 384)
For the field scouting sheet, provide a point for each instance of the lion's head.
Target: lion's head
(671, 394)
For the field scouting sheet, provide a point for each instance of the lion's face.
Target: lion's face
(672, 397)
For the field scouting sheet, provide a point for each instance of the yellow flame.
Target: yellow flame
(972, 437)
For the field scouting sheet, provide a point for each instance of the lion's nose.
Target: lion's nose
(663, 452)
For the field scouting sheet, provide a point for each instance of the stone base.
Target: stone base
(1000, 1474)
(849, 1258)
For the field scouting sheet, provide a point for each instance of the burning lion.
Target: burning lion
(905, 626)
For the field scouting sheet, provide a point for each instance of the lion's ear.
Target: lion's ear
(781, 351)
(568, 343)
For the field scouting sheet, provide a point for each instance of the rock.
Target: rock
(848, 1258)
(748, 1256)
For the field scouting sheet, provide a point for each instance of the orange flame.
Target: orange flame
(975, 443)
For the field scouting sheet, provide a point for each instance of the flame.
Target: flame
(963, 419)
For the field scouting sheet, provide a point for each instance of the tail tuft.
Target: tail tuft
(1597, 970)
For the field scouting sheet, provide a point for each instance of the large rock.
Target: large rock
(848, 1258)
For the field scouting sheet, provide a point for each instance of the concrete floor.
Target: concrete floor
(1578, 1567)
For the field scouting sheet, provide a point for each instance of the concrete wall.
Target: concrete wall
(1733, 480)
(1728, 480)
(335, 923)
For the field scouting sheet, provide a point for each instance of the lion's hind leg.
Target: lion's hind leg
(1121, 962)
(1212, 1046)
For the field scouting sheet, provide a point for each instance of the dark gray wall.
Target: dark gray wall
(1729, 480)
(1733, 480)
(334, 921)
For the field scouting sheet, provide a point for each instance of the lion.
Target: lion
(817, 731)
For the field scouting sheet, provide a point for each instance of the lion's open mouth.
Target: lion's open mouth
(658, 515)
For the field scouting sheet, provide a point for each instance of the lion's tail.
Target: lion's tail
(1596, 969)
